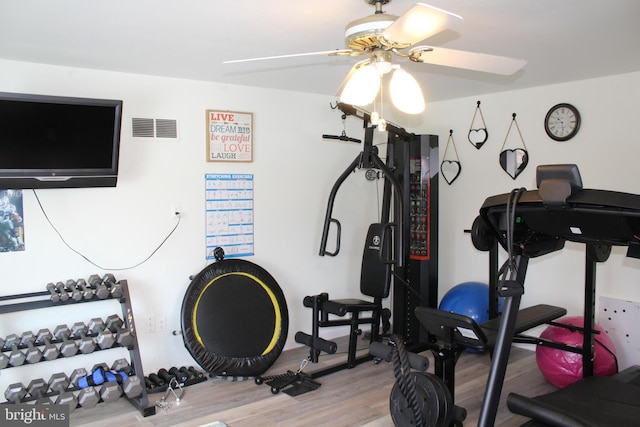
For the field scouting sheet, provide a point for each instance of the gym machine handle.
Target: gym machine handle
(370, 158)
(321, 344)
(342, 137)
(334, 308)
(324, 305)
(325, 234)
(385, 352)
(328, 219)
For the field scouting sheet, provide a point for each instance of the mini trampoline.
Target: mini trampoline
(234, 318)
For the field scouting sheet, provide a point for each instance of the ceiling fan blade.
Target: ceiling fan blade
(468, 60)
(335, 52)
(416, 24)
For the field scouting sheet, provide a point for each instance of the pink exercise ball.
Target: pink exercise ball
(562, 368)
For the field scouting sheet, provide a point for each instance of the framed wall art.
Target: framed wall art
(229, 136)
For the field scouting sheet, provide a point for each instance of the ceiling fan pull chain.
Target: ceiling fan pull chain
(382, 123)
(450, 169)
(479, 135)
(513, 161)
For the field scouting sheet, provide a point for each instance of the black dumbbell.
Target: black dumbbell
(165, 375)
(116, 326)
(159, 382)
(16, 357)
(15, 393)
(190, 374)
(32, 353)
(72, 288)
(99, 288)
(115, 288)
(150, 385)
(104, 337)
(86, 344)
(68, 347)
(178, 374)
(198, 374)
(50, 350)
(87, 292)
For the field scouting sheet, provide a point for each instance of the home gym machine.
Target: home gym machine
(400, 250)
(533, 223)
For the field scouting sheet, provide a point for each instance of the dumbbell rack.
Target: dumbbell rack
(42, 300)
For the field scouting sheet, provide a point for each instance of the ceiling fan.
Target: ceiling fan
(382, 36)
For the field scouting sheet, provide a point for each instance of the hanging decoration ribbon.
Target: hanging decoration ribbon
(478, 135)
(513, 161)
(450, 169)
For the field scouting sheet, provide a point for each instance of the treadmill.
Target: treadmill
(532, 223)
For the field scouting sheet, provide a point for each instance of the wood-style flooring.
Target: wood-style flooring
(354, 397)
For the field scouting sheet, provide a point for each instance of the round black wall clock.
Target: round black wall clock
(562, 122)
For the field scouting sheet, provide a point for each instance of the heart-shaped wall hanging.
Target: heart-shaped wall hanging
(450, 169)
(478, 135)
(514, 160)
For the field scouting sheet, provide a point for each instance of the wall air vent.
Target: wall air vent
(158, 129)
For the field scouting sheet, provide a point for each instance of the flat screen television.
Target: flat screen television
(58, 142)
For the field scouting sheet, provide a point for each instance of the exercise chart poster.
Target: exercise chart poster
(229, 136)
(11, 223)
(229, 214)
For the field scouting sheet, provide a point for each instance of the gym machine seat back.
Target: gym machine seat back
(375, 279)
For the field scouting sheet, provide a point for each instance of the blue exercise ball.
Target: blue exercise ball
(470, 299)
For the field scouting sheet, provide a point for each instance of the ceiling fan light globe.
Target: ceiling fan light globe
(362, 88)
(406, 94)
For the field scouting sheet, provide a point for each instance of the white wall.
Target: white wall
(294, 171)
(606, 150)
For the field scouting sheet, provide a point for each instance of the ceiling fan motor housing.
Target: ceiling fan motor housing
(362, 34)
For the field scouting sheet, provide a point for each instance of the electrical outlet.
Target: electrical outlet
(176, 209)
(150, 325)
(161, 324)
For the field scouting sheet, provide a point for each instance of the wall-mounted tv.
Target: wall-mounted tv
(58, 142)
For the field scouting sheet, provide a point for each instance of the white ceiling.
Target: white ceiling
(562, 40)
